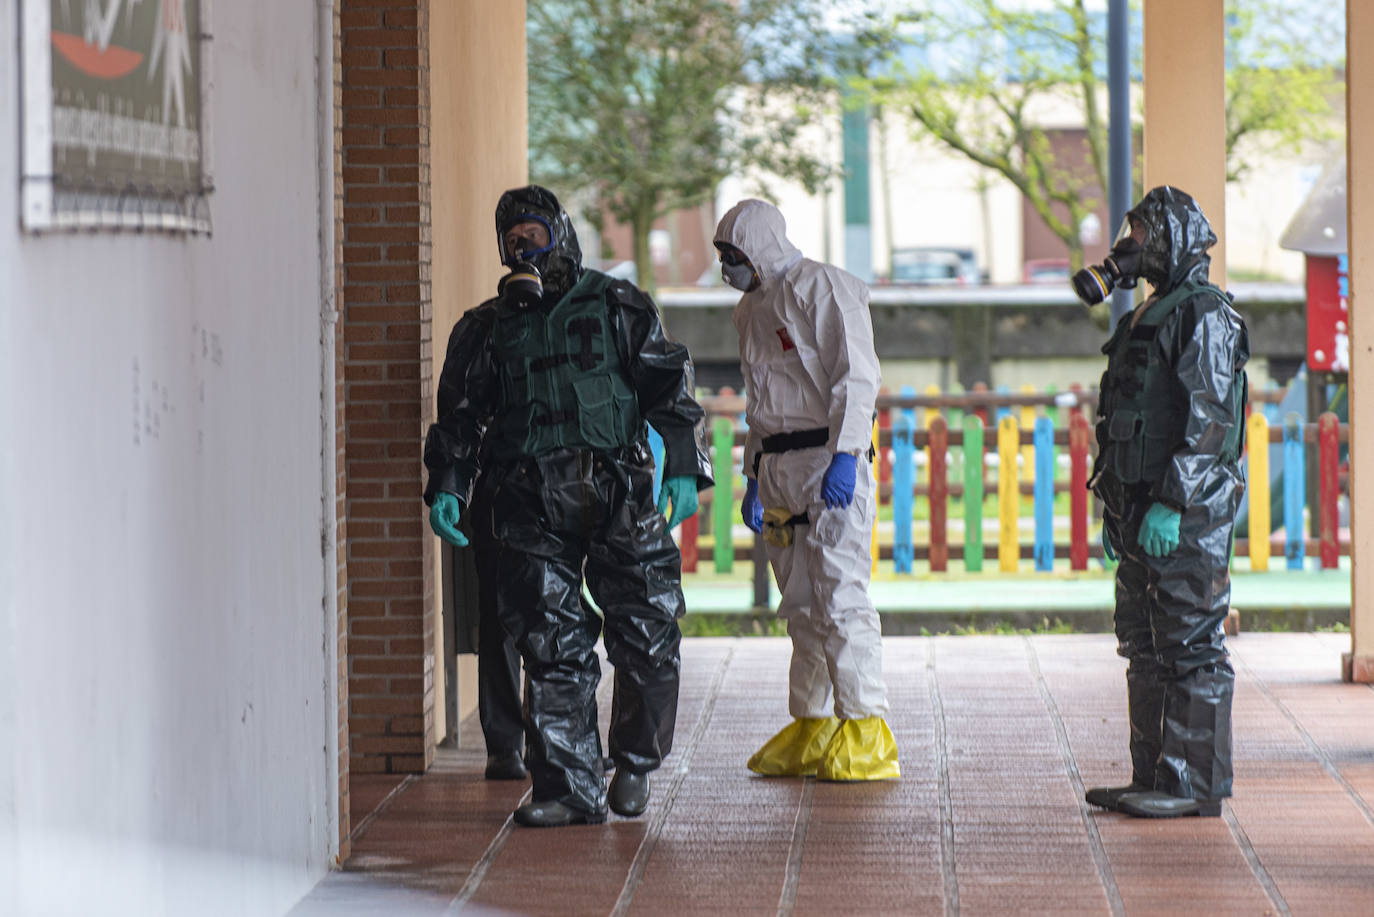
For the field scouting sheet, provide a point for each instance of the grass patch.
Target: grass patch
(706, 624)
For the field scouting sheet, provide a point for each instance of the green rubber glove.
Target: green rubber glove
(1159, 531)
(681, 491)
(443, 518)
(1107, 551)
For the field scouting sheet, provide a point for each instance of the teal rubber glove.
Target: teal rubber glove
(443, 518)
(1159, 531)
(681, 491)
(1107, 551)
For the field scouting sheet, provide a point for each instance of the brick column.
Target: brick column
(387, 391)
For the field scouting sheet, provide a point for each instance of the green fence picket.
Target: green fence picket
(723, 504)
(973, 493)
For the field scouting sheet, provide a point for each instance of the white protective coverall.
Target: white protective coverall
(806, 350)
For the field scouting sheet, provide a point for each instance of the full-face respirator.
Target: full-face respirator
(1121, 268)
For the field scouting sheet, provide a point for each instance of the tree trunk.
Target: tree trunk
(640, 224)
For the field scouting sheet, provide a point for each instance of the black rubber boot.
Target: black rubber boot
(505, 766)
(1109, 797)
(628, 794)
(1154, 804)
(554, 815)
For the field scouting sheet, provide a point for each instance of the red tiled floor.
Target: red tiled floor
(998, 736)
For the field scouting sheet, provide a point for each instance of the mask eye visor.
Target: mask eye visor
(731, 256)
(526, 254)
(1125, 231)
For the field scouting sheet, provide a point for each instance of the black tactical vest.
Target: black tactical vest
(1143, 413)
(562, 384)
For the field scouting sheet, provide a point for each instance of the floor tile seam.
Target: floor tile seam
(485, 861)
(1314, 748)
(367, 820)
(949, 875)
(479, 870)
(1099, 852)
(635, 873)
(787, 900)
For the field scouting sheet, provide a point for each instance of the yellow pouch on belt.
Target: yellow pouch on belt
(778, 525)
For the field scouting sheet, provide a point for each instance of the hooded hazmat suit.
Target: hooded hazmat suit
(1170, 434)
(556, 395)
(811, 377)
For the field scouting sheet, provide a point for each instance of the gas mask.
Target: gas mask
(736, 270)
(1121, 268)
(523, 286)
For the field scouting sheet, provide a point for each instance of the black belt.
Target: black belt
(802, 439)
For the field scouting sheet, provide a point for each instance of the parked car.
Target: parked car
(934, 265)
(1046, 270)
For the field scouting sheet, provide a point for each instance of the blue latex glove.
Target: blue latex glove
(752, 509)
(681, 491)
(1107, 551)
(443, 518)
(1159, 531)
(837, 487)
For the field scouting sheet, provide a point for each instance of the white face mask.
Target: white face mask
(739, 276)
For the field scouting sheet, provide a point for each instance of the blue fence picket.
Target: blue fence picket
(1044, 494)
(1294, 487)
(903, 459)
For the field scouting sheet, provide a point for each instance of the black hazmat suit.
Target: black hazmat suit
(556, 396)
(1170, 429)
(498, 661)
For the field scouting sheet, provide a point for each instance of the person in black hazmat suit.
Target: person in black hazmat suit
(553, 381)
(1170, 433)
(498, 661)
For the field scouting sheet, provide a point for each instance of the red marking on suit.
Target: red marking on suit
(786, 340)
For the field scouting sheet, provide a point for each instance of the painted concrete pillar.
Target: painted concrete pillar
(1359, 77)
(479, 145)
(858, 223)
(1185, 108)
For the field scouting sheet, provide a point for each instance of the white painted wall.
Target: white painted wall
(165, 702)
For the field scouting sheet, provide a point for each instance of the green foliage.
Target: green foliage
(1281, 78)
(651, 103)
(1000, 69)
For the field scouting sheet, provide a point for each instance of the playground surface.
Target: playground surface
(1273, 600)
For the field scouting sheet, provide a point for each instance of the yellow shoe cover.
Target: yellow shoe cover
(860, 750)
(796, 750)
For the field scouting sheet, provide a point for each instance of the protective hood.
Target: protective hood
(1176, 240)
(560, 264)
(758, 229)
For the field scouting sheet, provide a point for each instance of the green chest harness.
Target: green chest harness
(1144, 410)
(562, 383)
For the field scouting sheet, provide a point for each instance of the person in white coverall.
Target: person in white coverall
(811, 380)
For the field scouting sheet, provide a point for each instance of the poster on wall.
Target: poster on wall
(115, 114)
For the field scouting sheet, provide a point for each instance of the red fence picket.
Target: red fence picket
(1329, 471)
(1078, 490)
(939, 495)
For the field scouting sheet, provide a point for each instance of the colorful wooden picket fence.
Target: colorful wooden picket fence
(1024, 462)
